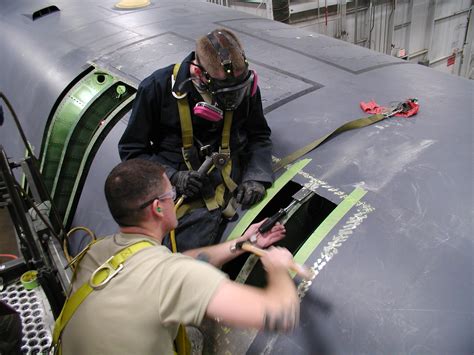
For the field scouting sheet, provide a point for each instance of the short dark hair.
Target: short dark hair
(209, 58)
(129, 185)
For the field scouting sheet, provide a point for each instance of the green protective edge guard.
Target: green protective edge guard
(69, 111)
(252, 213)
(83, 115)
(88, 152)
(327, 225)
(80, 139)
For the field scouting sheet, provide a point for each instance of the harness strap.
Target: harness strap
(104, 272)
(185, 118)
(188, 207)
(226, 130)
(227, 169)
(358, 123)
(217, 200)
(211, 203)
(181, 342)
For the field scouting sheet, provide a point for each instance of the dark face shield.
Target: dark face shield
(229, 94)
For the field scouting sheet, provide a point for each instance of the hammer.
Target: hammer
(210, 160)
(300, 270)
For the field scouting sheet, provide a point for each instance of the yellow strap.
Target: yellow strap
(177, 205)
(226, 171)
(187, 137)
(73, 302)
(187, 207)
(358, 123)
(181, 342)
(226, 129)
(123, 255)
(184, 116)
(211, 203)
(228, 182)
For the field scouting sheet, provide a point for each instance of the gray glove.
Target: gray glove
(250, 192)
(188, 183)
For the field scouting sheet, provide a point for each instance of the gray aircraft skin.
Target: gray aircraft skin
(395, 267)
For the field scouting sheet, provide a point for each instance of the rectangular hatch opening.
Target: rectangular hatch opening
(299, 227)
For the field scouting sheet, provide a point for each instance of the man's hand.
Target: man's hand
(275, 308)
(187, 183)
(249, 193)
(283, 316)
(277, 259)
(266, 239)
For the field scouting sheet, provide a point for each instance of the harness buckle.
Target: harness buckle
(177, 95)
(107, 267)
(220, 160)
(406, 108)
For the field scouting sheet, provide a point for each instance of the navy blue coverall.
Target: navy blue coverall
(154, 132)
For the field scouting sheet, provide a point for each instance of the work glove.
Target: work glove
(188, 183)
(250, 192)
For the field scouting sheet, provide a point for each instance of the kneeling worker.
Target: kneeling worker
(137, 305)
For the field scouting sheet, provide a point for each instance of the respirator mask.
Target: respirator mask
(227, 94)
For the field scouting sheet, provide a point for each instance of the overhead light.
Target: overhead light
(132, 4)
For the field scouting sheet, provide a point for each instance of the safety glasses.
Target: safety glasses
(167, 195)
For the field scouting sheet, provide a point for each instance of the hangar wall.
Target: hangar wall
(435, 33)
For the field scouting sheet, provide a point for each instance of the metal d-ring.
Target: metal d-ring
(106, 267)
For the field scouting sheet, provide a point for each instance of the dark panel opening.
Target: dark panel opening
(299, 228)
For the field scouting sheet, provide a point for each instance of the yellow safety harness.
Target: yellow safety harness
(182, 343)
(187, 139)
(98, 280)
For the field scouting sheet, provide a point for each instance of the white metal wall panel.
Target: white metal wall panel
(402, 24)
(420, 24)
(449, 31)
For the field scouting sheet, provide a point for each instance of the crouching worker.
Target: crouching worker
(140, 292)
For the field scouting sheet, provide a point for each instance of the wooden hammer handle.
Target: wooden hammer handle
(300, 270)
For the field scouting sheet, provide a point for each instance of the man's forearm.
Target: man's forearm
(274, 308)
(217, 255)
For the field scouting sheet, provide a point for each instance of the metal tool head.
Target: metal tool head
(302, 194)
(205, 150)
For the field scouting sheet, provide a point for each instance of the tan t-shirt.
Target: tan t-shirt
(139, 310)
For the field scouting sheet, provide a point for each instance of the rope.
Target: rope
(75, 229)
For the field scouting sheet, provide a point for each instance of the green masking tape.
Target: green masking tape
(327, 225)
(252, 213)
(29, 279)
